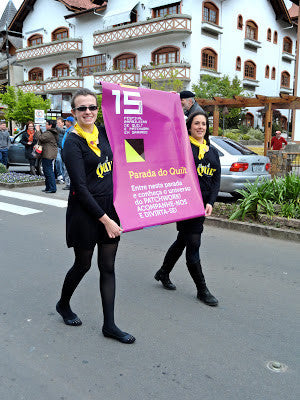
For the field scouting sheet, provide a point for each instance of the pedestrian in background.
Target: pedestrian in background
(208, 167)
(278, 142)
(29, 140)
(70, 122)
(48, 140)
(188, 103)
(91, 218)
(60, 127)
(4, 143)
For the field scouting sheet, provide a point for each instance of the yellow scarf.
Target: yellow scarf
(202, 147)
(91, 138)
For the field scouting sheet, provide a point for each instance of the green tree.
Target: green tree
(171, 84)
(21, 106)
(99, 120)
(209, 87)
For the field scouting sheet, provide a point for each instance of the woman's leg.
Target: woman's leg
(45, 165)
(171, 257)
(193, 242)
(106, 263)
(82, 264)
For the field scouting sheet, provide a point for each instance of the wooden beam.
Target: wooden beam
(216, 118)
(268, 128)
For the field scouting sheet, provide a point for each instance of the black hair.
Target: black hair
(82, 92)
(190, 120)
(51, 122)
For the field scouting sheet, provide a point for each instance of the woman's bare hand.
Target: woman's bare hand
(208, 210)
(112, 228)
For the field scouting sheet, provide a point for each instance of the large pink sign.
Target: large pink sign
(155, 180)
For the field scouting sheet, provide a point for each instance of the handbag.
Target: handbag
(37, 151)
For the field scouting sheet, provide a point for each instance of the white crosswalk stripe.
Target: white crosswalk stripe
(18, 209)
(34, 199)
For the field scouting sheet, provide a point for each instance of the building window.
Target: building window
(251, 30)
(240, 22)
(269, 35)
(210, 13)
(267, 72)
(89, 65)
(35, 40)
(287, 45)
(250, 70)
(61, 70)
(36, 74)
(238, 64)
(249, 120)
(275, 37)
(60, 33)
(166, 10)
(166, 55)
(209, 59)
(273, 74)
(285, 79)
(125, 61)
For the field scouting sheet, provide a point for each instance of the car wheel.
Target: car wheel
(39, 168)
(236, 195)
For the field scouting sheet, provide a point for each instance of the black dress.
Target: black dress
(91, 191)
(209, 175)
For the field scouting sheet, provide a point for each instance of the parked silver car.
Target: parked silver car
(239, 164)
(16, 155)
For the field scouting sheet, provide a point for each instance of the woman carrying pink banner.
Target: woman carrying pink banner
(91, 217)
(189, 231)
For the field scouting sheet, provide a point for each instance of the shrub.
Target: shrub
(246, 137)
(220, 131)
(232, 135)
(256, 134)
(3, 169)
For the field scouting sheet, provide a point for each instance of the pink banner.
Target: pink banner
(155, 179)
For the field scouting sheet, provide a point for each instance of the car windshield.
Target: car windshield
(233, 147)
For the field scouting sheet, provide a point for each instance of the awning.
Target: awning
(160, 3)
(119, 15)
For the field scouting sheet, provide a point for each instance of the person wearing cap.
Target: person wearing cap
(278, 141)
(70, 122)
(4, 143)
(188, 102)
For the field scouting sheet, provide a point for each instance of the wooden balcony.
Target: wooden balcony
(128, 77)
(164, 72)
(32, 87)
(176, 23)
(59, 47)
(53, 85)
(63, 84)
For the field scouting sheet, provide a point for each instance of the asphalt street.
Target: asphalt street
(184, 349)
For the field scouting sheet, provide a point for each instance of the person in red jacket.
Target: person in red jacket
(278, 141)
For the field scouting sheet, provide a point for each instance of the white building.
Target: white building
(78, 43)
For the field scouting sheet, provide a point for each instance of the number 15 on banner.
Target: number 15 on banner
(128, 102)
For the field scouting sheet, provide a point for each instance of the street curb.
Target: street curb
(21, 185)
(256, 229)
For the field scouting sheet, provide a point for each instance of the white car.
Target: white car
(239, 164)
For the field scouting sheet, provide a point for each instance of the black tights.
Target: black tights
(106, 265)
(190, 241)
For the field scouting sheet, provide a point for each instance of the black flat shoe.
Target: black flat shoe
(50, 191)
(124, 338)
(76, 321)
(207, 298)
(165, 280)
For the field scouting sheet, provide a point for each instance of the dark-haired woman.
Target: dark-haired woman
(91, 218)
(29, 140)
(48, 140)
(189, 231)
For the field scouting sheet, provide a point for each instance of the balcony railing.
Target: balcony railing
(211, 28)
(288, 56)
(139, 30)
(64, 46)
(164, 72)
(128, 77)
(252, 43)
(66, 83)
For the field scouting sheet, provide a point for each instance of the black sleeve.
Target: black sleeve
(75, 166)
(24, 139)
(216, 179)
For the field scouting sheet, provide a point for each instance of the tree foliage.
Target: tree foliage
(21, 106)
(210, 86)
(99, 120)
(171, 84)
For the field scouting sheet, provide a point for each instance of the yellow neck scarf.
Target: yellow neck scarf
(91, 138)
(202, 147)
